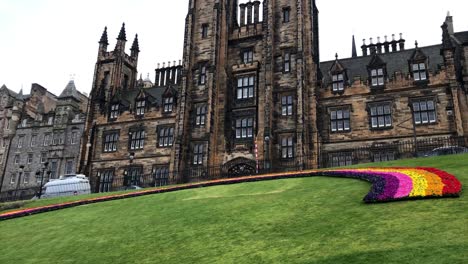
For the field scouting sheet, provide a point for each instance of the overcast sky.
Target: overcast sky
(46, 41)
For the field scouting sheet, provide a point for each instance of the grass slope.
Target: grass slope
(314, 220)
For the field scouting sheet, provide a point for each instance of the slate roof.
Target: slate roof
(156, 94)
(395, 61)
(70, 91)
(11, 93)
(462, 37)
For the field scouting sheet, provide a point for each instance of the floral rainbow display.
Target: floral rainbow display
(388, 184)
(393, 184)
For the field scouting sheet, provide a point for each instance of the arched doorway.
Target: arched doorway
(239, 167)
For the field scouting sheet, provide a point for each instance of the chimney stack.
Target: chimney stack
(242, 15)
(256, 11)
(249, 13)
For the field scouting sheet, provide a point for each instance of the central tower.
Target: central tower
(247, 101)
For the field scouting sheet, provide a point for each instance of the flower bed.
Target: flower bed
(388, 184)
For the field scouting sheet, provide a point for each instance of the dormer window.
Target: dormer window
(114, 113)
(338, 82)
(50, 120)
(140, 107)
(24, 123)
(419, 72)
(377, 77)
(168, 104)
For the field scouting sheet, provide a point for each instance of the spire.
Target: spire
(135, 46)
(446, 39)
(104, 39)
(122, 34)
(354, 51)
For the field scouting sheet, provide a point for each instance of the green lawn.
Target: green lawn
(313, 220)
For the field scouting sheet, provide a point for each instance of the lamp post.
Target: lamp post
(127, 178)
(21, 168)
(38, 173)
(267, 153)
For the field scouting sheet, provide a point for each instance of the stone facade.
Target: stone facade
(251, 87)
(49, 129)
(416, 97)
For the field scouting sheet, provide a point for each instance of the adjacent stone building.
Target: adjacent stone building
(391, 94)
(251, 94)
(130, 122)
(48, 131)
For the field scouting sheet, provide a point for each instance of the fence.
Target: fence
(394, 151)
(242, 167)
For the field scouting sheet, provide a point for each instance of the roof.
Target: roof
(70, 91)
(462, 37)
(156, 94)
(11, 93)
(395, 62)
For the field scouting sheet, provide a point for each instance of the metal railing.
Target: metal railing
(376, 152)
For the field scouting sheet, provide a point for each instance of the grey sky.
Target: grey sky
(45, 41)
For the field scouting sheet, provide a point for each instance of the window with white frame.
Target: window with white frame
(244, 128)
(53, 169)
(161, 176)
(202, 77)
(198, 154)
(26, 177)
(20, 141)
(115, 111)
(340, 120)
(133, 177)
(13, 178)
(200, 117)
(287, 105)
(419, 72)
(111, 140)
(106, 178)
(137, 139)
(340, 159)
(33, 141)
(381, 115)
(287, 147)
(47, 139)
(247, 56)
(43, 157)
(30, 158)
(69, 167)
(424, 111)
(74, 138)
(338, 82)
(384, 156)
(168, 104)
(377, 77)
(140, 107)
(17, 159)
(245, 87)
(166, 137)
(287, 62)
(50, 120)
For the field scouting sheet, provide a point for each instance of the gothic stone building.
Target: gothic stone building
(251, 88)
(390, 94)
(47, 129)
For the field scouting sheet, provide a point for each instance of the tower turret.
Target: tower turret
(135, 50)
(103, 43)
(121, 40)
